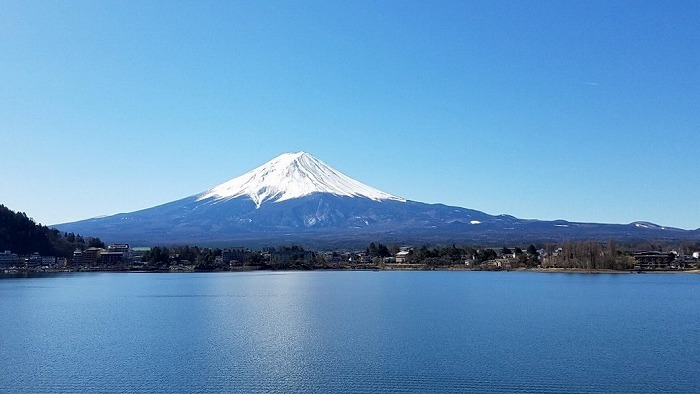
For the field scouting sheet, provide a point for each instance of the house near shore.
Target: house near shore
(402, 256)
(653, 260)
(9, 259)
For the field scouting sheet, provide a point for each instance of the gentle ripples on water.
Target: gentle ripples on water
(355, 332)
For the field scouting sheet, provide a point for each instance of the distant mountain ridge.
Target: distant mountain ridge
(296, 197)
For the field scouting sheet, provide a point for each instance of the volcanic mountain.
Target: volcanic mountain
(297, 198)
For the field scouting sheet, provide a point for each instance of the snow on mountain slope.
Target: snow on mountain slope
(293, 175)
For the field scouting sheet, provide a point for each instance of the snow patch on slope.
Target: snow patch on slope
(293, 175)
(648, 225)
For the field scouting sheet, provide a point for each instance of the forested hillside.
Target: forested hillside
(22, 235)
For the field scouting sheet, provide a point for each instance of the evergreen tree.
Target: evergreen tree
(22, 235)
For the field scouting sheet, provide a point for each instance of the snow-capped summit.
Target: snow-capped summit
(293, 175)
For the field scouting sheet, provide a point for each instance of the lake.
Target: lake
(353, 332)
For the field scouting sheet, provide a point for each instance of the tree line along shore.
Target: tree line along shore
(573, 256)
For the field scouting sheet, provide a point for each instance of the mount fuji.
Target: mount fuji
(297, 198)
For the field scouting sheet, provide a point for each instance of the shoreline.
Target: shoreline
(607, 271)
(412, 267)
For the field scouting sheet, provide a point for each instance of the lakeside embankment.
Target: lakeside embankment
(388, 267)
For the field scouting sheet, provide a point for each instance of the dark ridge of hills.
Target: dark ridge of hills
(20, 234)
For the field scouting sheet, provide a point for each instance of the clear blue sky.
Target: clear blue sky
(584, 111)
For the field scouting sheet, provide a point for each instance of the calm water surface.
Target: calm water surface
(350, 332)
